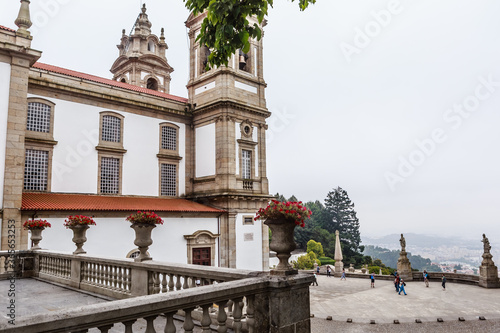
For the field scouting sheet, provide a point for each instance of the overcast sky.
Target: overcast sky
(397, 102)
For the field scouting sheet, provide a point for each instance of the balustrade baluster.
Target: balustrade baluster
(178, 284)
(185, 285)
(56, 266)
(164, 283)
(94, 273)
(250, 314)
(205, 320)
(101, 275)
(238, 305)
(129, 281)
(170, 327)
(156, 283)
(128, 325)
(120, 279)
(105, 328)
(83, 268)
(41, 269)
(107, 277)
(193, 282)
(188, 321)
(52, 266)
(115, 277)
(221, 317)
(150, 327)
(230, 307)
(68, 268)
(171, 282)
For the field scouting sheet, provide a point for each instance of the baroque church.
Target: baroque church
(76, 144)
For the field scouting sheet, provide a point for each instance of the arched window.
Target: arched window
(151, 46)
(123, 80)
(152, 84)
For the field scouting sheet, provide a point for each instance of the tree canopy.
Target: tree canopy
(226, 27)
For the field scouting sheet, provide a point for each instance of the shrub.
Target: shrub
(306, 261)
(326, 261)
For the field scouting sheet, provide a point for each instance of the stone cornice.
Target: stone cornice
(40, 141)
(111, 149)
(103, 92)
(263, 112)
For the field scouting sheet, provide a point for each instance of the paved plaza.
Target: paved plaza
(341, 300)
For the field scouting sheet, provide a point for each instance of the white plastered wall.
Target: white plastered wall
(4, 112)
(248, 252)
(113, 237)
(205, 150)
(75, 159)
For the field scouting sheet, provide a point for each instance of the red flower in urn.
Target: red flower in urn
(289, 210)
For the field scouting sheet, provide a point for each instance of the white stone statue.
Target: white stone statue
(402, 241)
(486, 242)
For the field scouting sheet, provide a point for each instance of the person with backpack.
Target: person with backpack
(372, 279)
(426, 279)
(402, 286)
(396, 282)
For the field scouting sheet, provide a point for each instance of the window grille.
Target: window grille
(38, 117)
(169, 179)
(246, 159)
(111, 128)
(110, 175)
(168, 138)
(36, 170)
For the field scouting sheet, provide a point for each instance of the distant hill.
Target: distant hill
(390, 258)
(421, 241)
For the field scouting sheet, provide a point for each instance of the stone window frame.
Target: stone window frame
(169, 152)
(200, 239)
(49, 136)
(110, 154)
(154, 77)
(110, 144)
(248, 61)
(250, 146)
(244, 217)
(168, 161)
(131, 252)
(42, 147)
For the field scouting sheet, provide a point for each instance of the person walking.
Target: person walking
(443, 282)
(317, 269)
(343, 274)
(315, 280)
(396, 282)
(328, 271)
(372, 280)
(402, 285)
(426, 279)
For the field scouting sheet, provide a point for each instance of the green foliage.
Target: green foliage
(342, 217)
(315, 247)
(306, 261)
(376, 269)
(326, 261)
(226, 27)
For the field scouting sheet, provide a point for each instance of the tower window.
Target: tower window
(246, 159)
(243, 59)
(38, 117)
(123, 80)
(36, 170)
(152, 84)
(111, 128)
(151, 46)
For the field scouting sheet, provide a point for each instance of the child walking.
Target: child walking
(402, 287)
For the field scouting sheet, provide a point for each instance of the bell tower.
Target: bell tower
(142, 60)
(229, 141)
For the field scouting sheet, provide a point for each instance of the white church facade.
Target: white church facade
(73, 143)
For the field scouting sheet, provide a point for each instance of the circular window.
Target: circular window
(247, 130)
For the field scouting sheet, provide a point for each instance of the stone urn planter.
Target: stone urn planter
(282, 243)
(36, 227)
(36, 237)
(79, 237)
(143, 239)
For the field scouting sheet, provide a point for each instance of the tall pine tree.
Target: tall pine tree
(342, 217)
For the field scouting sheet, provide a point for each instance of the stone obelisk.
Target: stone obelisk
(339, 265)
(404, 266)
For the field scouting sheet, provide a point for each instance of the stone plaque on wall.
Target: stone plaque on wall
(247, 237)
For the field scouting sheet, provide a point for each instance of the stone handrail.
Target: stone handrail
(123, 278)
(258, 297)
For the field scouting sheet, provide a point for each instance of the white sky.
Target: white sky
(345, 120)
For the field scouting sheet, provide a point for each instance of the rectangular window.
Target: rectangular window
(38, 117)
(201, 256)
(168, 179)
(36, 170)
(110, 175)
(246, 166)
(111, 128)
(248, 220)
(168, 138)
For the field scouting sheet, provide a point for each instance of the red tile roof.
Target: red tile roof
(109, 82)
(71, 202)
(5, 28)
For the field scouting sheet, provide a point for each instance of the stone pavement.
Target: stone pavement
(352, 298)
